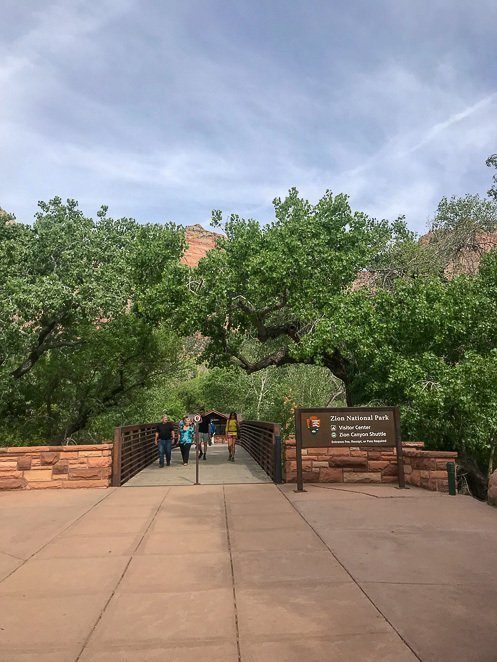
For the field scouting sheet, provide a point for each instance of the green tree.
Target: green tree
(79, 300)
(264, 293)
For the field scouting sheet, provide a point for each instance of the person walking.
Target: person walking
(203, 437)
(232, 432)
(212, 431)
(186, 434)
(164, 437)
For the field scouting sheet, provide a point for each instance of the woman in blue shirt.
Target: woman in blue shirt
(186, 435)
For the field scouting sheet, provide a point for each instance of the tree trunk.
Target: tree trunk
(477, 480)
(491, 458)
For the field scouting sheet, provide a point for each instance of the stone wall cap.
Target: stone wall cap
(12, 450)
(411, 452)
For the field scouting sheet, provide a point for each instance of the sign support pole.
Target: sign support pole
(298, 450)
(196, 452)
(398, 444)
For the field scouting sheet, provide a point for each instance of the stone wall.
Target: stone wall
(427, 469)
(350, 464)
(66, 467)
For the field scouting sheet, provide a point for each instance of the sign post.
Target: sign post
(197, 418)
(363, 427)
(298, 447)
(400, 457)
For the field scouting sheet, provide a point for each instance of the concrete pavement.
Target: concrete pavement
(247, 572)
(427, 561)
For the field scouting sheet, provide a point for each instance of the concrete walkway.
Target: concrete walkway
(216, 470)
(247, 572)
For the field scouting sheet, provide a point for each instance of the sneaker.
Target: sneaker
(161, 466)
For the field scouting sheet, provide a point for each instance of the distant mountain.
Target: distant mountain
(200, 241)
(466, 251)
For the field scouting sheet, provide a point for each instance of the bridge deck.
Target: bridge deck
(216, 470)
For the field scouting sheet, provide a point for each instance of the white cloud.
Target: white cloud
(170, 112)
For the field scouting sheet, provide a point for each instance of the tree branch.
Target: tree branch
(42, 345)
(267, 332)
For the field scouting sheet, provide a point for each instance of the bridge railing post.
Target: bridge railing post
(277, 458)
(116, 458)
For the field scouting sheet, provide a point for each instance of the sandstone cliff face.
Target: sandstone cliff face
(200, 241)
(468, 258)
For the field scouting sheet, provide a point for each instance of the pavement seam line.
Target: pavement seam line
(102, 612)
(363, 591)
(105, 496)
(339, 489)
(375, 496)
(235, 606)
(12, 556)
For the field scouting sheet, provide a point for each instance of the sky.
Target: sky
(165, 110)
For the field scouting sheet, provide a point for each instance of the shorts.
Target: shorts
(204, 437)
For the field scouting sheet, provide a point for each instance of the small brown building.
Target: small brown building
(220, 421)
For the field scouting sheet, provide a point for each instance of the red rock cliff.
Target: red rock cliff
(200, 241)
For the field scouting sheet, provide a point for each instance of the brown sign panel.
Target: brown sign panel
(350, 426)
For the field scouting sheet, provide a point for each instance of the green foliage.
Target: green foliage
(270, 394)
(265, 290)
(80, 300)
(459, 231)
(430, 346)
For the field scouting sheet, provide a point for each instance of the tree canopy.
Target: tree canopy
(73, 291)
(264, 294)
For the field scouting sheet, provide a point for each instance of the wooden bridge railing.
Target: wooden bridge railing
(134, 449)
(263, 441)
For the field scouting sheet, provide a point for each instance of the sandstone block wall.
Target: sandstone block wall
(66, 467)
(427, 469)
(350, 464)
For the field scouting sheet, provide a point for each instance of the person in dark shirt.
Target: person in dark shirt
(165, 435)
(203, 436)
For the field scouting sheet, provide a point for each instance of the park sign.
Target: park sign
(350, 426)
(362, 427)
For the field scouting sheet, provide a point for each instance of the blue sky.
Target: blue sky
(166, 110)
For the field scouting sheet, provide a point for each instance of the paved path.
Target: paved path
(247, 572)
(216, 470)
